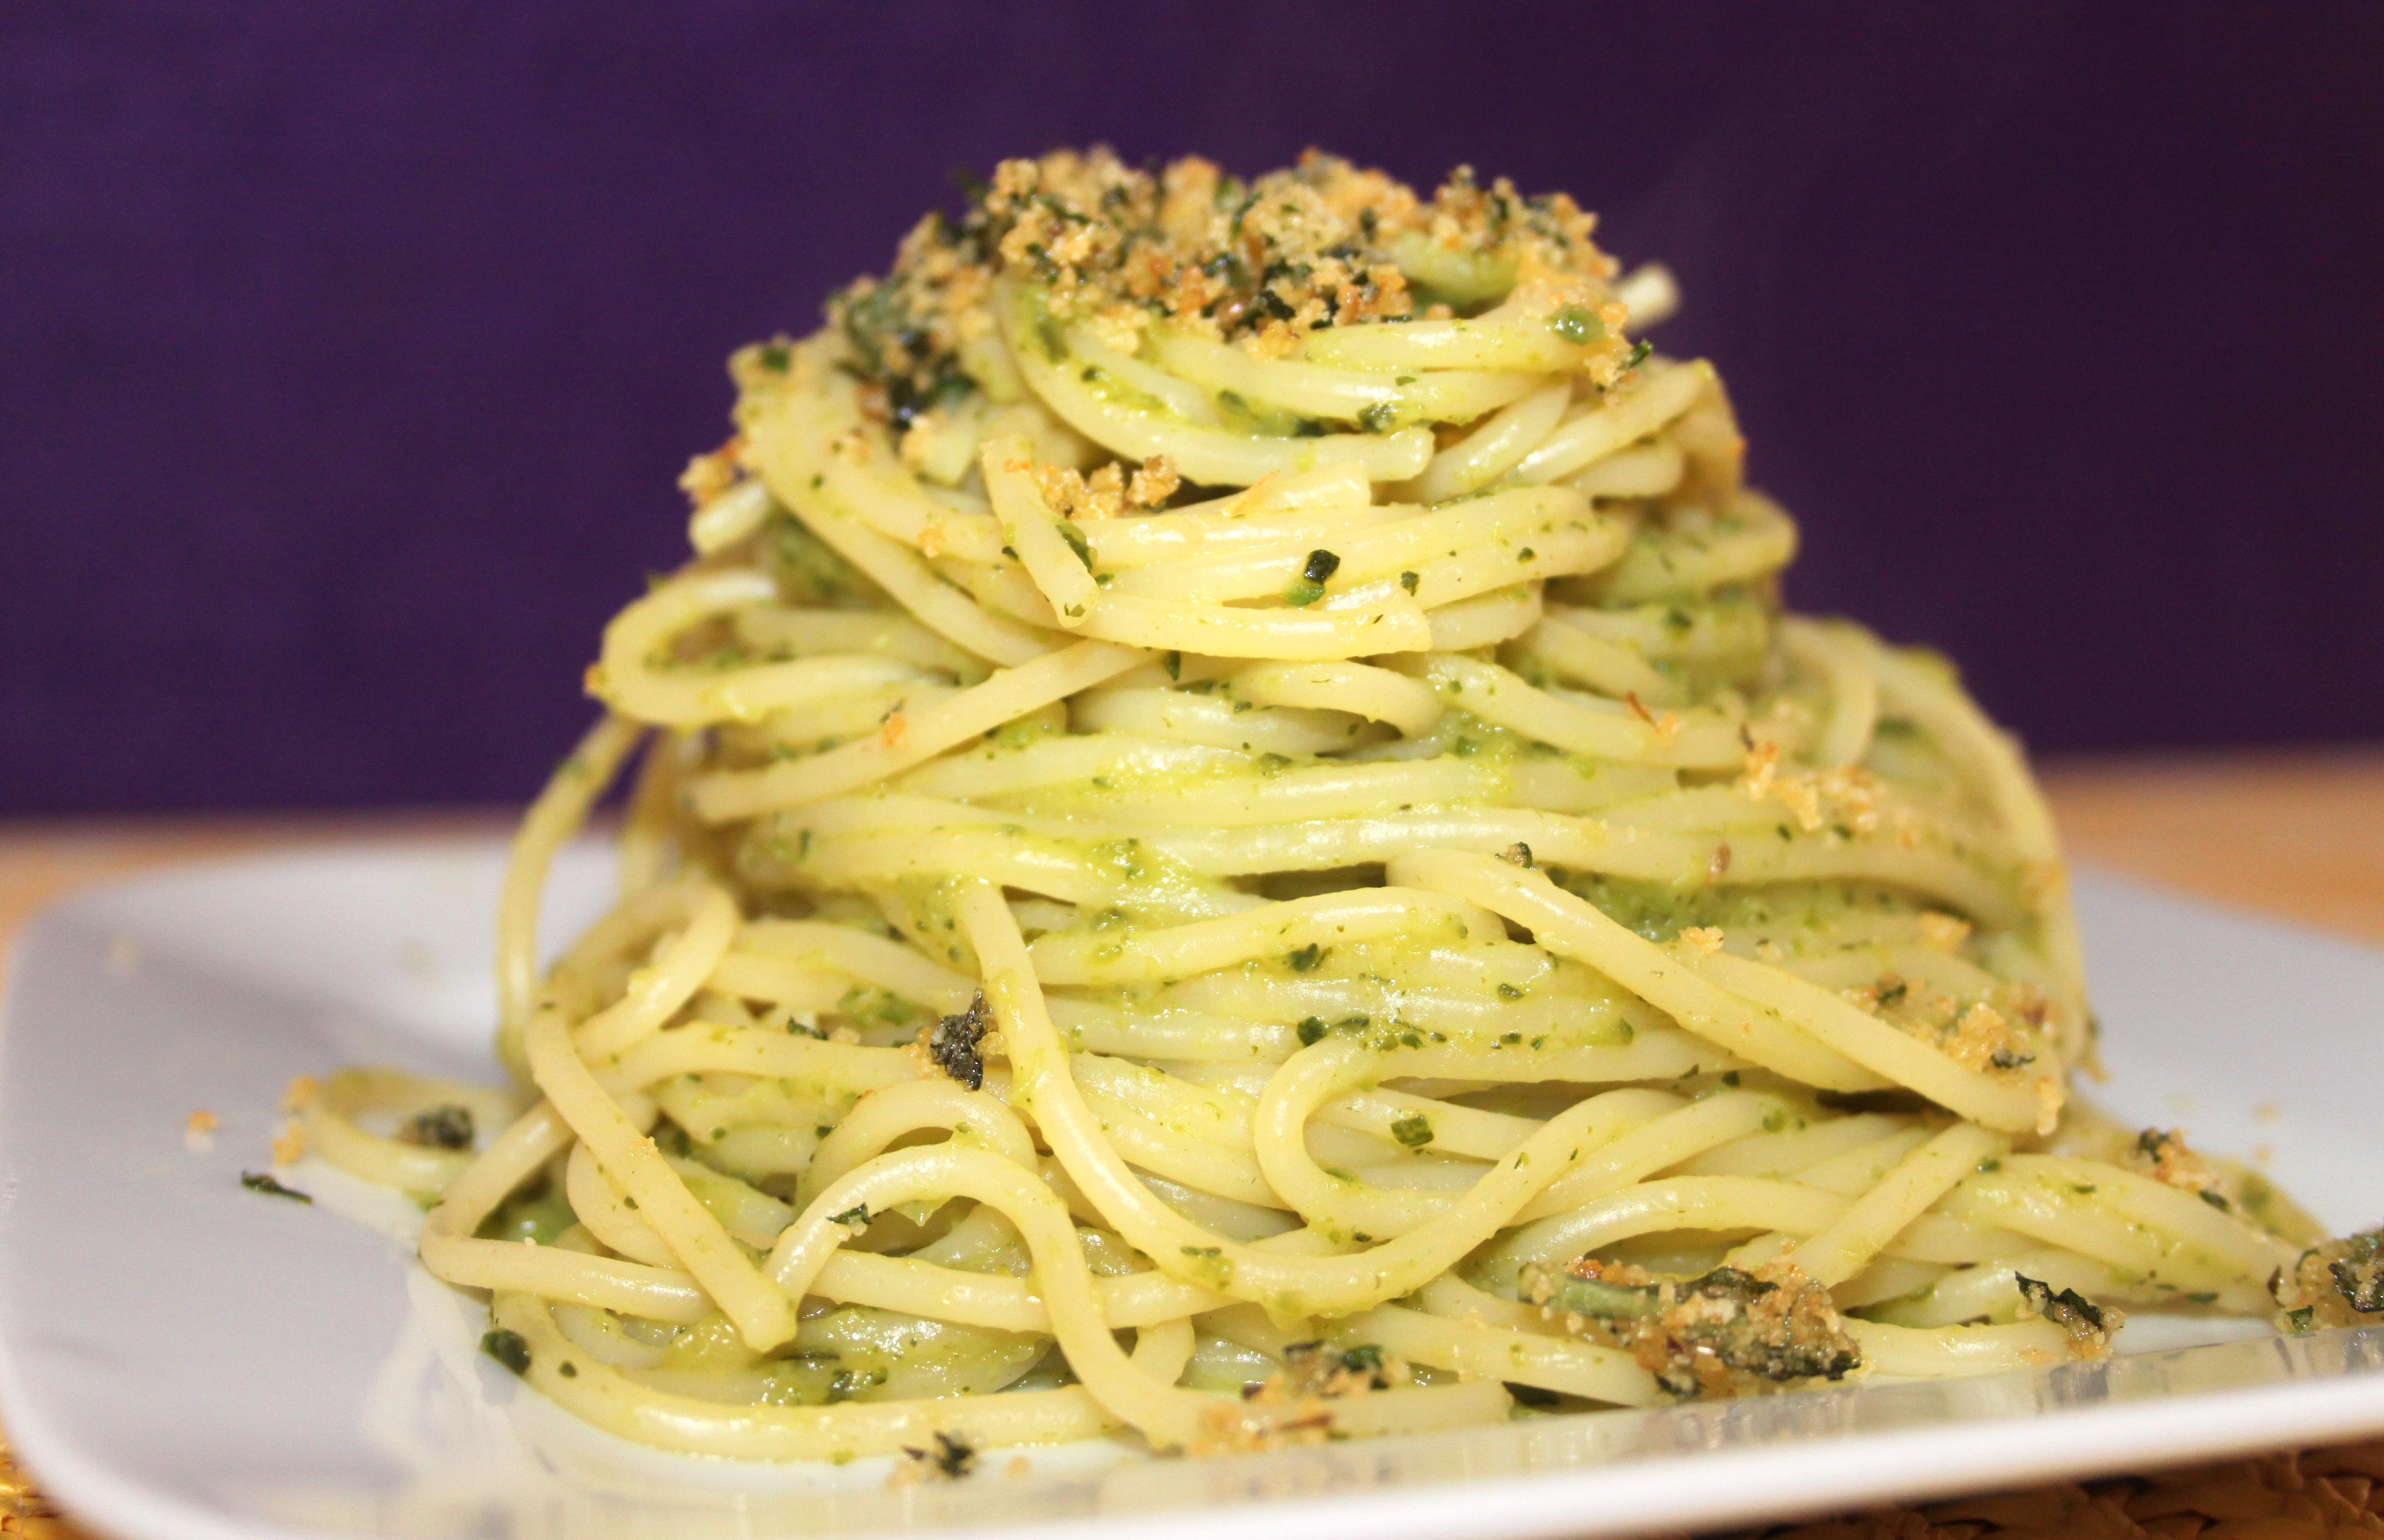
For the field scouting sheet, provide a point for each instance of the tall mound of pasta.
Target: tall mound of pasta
(1233, 842)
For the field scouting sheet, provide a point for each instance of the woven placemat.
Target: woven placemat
(2330, 1493)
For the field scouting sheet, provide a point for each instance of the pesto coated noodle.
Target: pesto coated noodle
(1229, 840)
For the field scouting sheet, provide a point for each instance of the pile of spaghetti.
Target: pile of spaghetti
(1229, 840)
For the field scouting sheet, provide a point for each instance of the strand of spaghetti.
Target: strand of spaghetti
(1510, 517)
(1669, 1203)
(1140, 426)
(1573, 928)
(1496, 447)
(1910, 687)
(1204, 945)
(1847, 1245)
(1853, 689)
(843, 1069)
(1377, 694)
(1254, 798)
(655, 993)
(1749, 539)
(600, 1209)
(1340, 395)
(605, 1397)
(2118, 1217)
(1612, 669)
(763, 1317)
(1483, 617)
(649, 838)
(1003, 1303)
(625, 675)
(451, 1252)
(1597, 730)
(1390, 623)
(1948, 1351)
(892, 1113)
(332, 1131)
(559, 812)
(907, 740)
(889, 966)
(1573, 1366)
(1035, 531)
(1879, 1044)
(1518, 334)
(1331, 1286)
(1630, 414)
(1167, 1416)
(897, 569)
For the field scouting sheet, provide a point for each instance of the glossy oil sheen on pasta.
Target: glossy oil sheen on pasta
(1233, 843)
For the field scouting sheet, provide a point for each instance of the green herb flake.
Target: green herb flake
(508, 1348)
(264, 1182)
(1577, 324)
(1413, 1130)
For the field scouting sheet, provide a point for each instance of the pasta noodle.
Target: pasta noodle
(1232, 843)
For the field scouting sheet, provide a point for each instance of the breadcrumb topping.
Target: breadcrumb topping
(1730, 1333)
(1262, 263)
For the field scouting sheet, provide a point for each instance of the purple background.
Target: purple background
(350, 350)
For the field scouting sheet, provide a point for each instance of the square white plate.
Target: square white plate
(183, 1359)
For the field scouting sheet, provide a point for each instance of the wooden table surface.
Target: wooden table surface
(2296, 835)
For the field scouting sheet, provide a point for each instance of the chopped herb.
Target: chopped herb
(2358, 1273)
(1889, 994)
(775, 358)
(1310, 1030)
(443, 1127)
(568, 1369)
(2216, 1201)
(1364, 1359)
(953, 1457)
(508, 1348)
(2068, 1309)
(955, 1042)
(1305, 959)
(1174, 662)
(263, 1181)
(1507, 991)
(857, 1215)
(1413, 1130)
(1380, 418)
(1321, 565)
(1577, 324)
(1408, 580)
(1076, 541)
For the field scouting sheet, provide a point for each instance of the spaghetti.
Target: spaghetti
(1232, 842)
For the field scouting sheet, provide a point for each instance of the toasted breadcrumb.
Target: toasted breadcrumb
(290, 1145)
(1262, 263)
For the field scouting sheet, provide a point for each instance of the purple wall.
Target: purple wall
(349, 350)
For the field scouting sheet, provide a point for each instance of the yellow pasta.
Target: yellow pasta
(1228, 767)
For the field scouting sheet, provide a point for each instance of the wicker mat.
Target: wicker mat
(2330, 1493)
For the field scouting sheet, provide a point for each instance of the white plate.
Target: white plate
(181, 1359)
